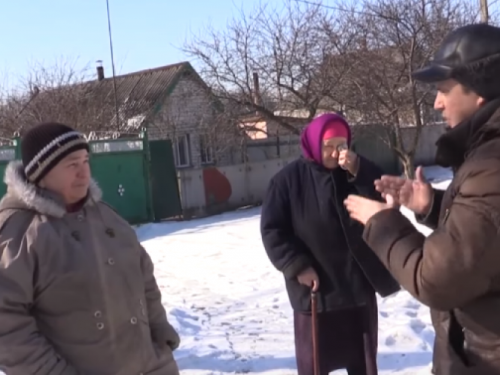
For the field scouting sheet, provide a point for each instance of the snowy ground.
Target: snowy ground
(231, 309)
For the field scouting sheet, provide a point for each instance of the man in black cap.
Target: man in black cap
(456, 270)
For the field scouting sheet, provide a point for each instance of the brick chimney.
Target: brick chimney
(256, 89)
(100, 70)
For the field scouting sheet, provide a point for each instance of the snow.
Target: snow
(231, 309)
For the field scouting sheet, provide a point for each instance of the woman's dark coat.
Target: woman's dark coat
(304, 223)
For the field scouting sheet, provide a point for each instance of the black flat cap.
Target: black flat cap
(460, 48)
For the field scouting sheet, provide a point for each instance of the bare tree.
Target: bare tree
(273, 59)
(399, 37)
(308, 57)
(59, 92)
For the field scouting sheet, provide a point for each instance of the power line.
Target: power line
(331, 7)
(483, 5)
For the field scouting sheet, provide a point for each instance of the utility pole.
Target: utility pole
(484, 11)
(117, 114)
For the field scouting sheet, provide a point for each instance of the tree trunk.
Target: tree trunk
(408, 166)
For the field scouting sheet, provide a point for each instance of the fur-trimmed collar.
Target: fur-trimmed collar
(35, 198)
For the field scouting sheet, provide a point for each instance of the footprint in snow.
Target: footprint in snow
(417, 325)
(412, 305)
(411, 313)
(390, 341)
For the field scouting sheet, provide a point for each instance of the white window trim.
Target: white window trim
(185, 139)
(208, 150)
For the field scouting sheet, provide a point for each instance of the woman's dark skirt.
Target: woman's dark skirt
(347, 339)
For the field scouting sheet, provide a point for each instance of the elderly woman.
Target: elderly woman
(78, 294)
(309, 237)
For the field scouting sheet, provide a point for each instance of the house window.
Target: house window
(181, 151)
(206, 150)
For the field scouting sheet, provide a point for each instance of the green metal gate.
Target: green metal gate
(120, 167)
(137, 177)
(7, 154)
(164, 184)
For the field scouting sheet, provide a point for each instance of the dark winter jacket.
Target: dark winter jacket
(456, 270)
(304, 223)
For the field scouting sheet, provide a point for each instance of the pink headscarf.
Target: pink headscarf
(314, 133)
(335, 129)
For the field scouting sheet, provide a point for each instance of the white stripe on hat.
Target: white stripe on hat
(47, 148)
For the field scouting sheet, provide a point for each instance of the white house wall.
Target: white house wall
(187, 110)
(248, 184)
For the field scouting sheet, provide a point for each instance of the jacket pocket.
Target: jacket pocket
(163, 352)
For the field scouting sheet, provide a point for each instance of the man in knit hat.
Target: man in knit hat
(77, 291)
(456, 270)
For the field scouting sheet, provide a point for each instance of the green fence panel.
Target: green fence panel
(7, 154)
(121, 169)
(164, 185)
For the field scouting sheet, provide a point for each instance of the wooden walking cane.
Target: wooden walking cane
(314, 315)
